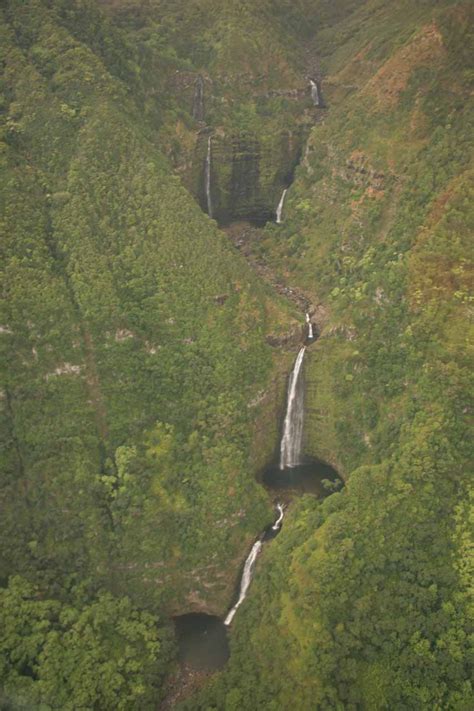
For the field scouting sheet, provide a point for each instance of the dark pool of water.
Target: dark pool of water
(305, 479)
(202, 641)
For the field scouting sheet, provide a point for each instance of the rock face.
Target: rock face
(258, 126)
(247, 173)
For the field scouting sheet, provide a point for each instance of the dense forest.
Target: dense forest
(144, 357)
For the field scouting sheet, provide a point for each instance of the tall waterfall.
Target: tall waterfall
(315, 93)
(310, 327)
(198, 100)
(208, 178)
(279, 212)
(290, 448)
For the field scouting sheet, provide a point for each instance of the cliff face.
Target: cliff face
(236, 73)
(253, 157)
(247, 174)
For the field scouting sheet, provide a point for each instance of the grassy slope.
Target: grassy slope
(363, 602)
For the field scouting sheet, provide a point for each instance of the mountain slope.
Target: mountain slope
(134, 334)
(140, 394)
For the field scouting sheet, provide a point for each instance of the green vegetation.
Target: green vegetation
(137, 396)
(365, 600)
(101, 653)
(254, 93)
(133, 341)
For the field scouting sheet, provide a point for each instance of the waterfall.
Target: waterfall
(280, 207)
(198, 101)
(310, 327)
(290, 448)
(249, 565)
(277, 525)
(315, 93)
(246, 579)
(208, 178)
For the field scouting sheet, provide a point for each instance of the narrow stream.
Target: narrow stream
(249, 565)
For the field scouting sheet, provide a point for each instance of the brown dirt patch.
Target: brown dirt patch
(392, 78)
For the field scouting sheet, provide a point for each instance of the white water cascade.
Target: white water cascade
(290, 447)
(279, 212)
(310, 327)
(249, 565)
(246, 579)
(277, 525)
(290, 452)
(315, 93)
(208, 178)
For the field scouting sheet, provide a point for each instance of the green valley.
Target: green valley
(149, 353)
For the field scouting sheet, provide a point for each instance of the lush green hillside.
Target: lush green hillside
(139, 389)
(364, 601)
(133, 342)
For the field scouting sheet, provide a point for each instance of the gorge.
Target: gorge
(235, 372)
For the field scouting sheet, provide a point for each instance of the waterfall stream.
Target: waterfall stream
(246, 579)
(290, 459)
(279, 211)
(198, 100)
(249, 565)
(208, 178)
(277, 525)
(290, 448)
(315, 93)
(290, 453)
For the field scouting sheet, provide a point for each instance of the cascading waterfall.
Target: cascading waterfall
(290, 453)
(279, 211)
(246, 579)
(290, 447)
(310, 327)
(315, 93)
(208, 178)
(277, 525)
(249, 566)
(198, 101)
